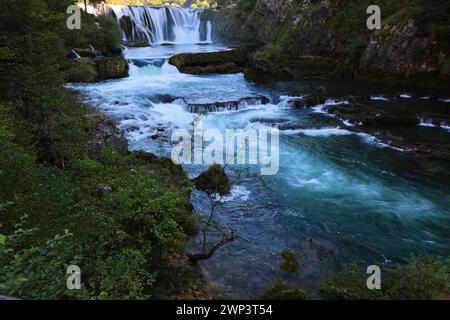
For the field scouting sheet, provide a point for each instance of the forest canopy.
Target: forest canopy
(174, 3)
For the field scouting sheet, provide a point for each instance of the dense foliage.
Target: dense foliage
(174, 3)
(331, 39)
(422, 278)
(116, 217)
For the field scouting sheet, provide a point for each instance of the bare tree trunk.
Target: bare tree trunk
(206, 255)
(85, 6)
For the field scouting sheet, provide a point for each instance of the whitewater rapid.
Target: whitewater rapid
(338, 186)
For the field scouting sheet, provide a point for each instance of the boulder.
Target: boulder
(111, 68)
(137, 44)
(213, 181)
(224, 68)
(231, 61)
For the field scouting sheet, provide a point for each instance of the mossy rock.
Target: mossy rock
(279, 290)
(111, 68)
(137, 44)
(290, 264)
(213, 181)
(204, 59)
(81, 71)
(225, 68)
(258, 76)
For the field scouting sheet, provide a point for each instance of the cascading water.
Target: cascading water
(208, 31)
(340, 194)
(161, 24)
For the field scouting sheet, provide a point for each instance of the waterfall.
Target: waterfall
(208, 31)
(160, 24)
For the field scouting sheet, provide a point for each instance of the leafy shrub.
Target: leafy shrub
(82, 71)
(269, 53)
(421, 278)
(279, 290)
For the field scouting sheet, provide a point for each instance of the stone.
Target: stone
(111, 68)
(231, 61)
(213, 181)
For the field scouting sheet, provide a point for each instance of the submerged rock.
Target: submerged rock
(304, 102)
(367, 115)
(290, 264)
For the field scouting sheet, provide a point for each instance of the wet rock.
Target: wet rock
(272, 122)
(105, 133)
(304, 102)
(290, 264)
(258, 76)
(137, 44)
(111, 68)
(293, 125)
(231, 61)
(224, 68)
(368, 115)
(227, 105)
(163, 98)
(156, 136)
(157, 62)
(213, 181)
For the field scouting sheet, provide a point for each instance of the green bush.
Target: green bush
(271, 52)
(423, 278)
(279, 290)
(81, 71)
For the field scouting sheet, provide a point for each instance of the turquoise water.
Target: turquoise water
(354, 197)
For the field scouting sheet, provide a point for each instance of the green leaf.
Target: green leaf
(2, 239)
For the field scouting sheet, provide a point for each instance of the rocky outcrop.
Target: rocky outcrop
(213, 181)
(105, 133)
(361, 114)
(137, 44)
(231, 61)
(111, 68)
(226, 105)
(330, 39)
(87, 70)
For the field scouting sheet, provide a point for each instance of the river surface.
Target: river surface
(339, 196)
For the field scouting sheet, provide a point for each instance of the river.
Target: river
(339, 196)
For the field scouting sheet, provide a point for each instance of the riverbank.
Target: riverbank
(330, 40)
